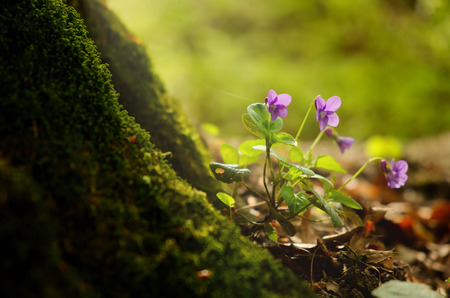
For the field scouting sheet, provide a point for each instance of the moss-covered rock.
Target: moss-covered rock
(143, 95)
(88, 206)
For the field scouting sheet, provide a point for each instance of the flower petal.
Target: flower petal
(400, 166)
(344, 143)
(320, 103)
(333, 104)
(348, 141)
(284, 99)
(273, 116)
(393, 183)
(271, 97)
(333, 120)
(281, 111)
(323, 122)
(273, 112)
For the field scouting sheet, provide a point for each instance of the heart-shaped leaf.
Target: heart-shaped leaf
(229, 173)
(230, 155)
(285, 138)
(251, 126)
(272, 152)
(344, 199)
(258, 112)
(247, 147)
(322, 204)
(226, 199)
(260, 116)
(296, 154)
(327, 184)
(329, 163)
(276, 125)
(404, 289)
(297, 171)
(295, 202)
(245, 160)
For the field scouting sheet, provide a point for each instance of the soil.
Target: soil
(399, 235)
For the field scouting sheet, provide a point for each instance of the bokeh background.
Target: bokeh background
(388, 60)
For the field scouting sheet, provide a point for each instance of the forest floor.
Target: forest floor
(401, 234)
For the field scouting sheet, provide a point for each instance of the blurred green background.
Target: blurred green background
(388, 60)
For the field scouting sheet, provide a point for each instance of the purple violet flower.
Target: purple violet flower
(344, 143)
(396, 173)
(326, 111)
(277, 104)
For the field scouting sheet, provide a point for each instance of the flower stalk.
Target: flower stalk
(374, 159)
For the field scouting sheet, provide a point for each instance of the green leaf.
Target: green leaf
(287, 226)
(296, 154)
(272, 152)
(295, 202)
(251, 126)
(247, 147)
(276, 125)
(229, 173)
(326, 182)
(337, 222)
(226, 199)
(344, 199)
(245, 160)
(258, 112)
(229, 154)
(328, 163)
(285, 138)
(298, 171)
(260, 116)
(404, 289)
(270, 232)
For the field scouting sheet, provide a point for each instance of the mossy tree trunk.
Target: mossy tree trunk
(144, 97)
(85, 209)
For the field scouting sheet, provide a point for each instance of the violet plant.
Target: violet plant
(291, 179)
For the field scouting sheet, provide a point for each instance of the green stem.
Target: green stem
(299, 132)
(313, 145)
(269, 161)
(359, 171)
(254, 191)
(304, 121)
(276, 182)
(300, 211)
(235, 190)
(272, 175)
(264, 180)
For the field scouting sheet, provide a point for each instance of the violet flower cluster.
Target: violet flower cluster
(326, 116)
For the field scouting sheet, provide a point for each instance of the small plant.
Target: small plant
(290, 179)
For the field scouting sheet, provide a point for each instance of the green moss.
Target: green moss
(29, 246)
(144, 97)
(84, 210)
